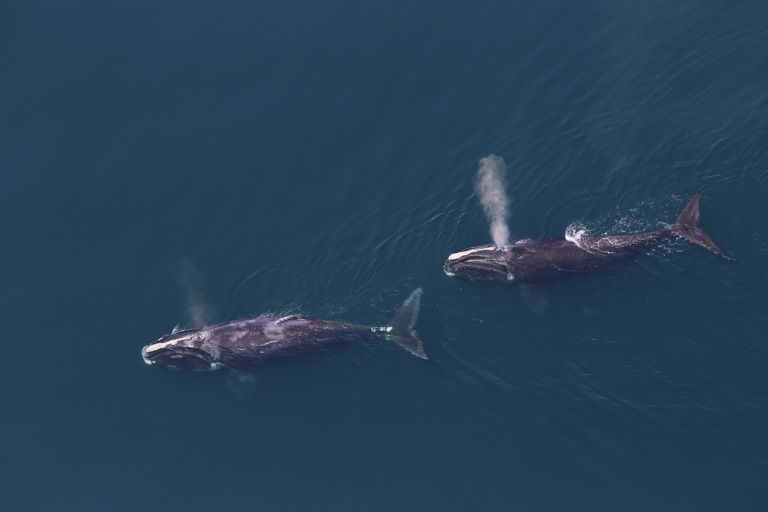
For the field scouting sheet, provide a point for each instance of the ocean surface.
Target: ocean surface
(319, 158)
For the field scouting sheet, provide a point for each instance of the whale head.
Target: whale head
(182, 350)
(488, 263)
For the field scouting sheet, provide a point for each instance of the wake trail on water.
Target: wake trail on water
(491, 189)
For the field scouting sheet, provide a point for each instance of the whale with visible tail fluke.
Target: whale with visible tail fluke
(240, 345)
(550, 259)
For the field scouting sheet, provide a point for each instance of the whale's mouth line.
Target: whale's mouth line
(472, 266)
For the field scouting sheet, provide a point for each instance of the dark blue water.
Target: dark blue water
(318, 157)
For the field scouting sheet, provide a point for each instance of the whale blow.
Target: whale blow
(491, 189)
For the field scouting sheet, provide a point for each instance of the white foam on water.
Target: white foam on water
(575, 232)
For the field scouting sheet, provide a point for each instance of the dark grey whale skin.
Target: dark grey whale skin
(550, 259)
(243, 343)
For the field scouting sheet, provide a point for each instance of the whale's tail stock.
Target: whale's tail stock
(687, 223)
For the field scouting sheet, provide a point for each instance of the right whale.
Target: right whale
(550, 259)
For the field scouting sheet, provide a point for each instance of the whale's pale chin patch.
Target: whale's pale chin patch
(448, 272)
(510, 277)
(144, 356)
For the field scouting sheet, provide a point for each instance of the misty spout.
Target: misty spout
(491, 190)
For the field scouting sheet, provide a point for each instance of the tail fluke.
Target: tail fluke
(401, 327)
(687, 224)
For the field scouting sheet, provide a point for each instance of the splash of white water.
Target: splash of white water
(491, 189)
(575, 232)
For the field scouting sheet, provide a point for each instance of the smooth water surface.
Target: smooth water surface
(319, 158)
